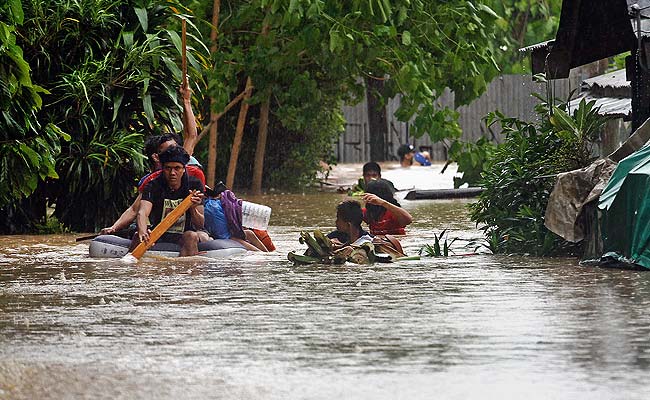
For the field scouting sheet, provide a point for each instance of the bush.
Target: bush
(519, 176)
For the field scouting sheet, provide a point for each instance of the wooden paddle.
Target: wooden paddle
(94, 235)
(88, 237)
(159, 230)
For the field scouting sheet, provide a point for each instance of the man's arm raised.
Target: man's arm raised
(190, 134)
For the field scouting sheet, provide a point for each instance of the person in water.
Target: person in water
(383, 213)
(372, 171)
(348, 225)
(408, 156)
(154, 145)
(163, 194)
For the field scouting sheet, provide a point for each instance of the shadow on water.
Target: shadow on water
(256, 327)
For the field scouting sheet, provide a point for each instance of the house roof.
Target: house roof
(589, 31)
(612, 92)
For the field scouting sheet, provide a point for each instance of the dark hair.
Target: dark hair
(404, 150)
(350, 211)
(371, 167)
(166, 137)
(174, 154)
(153, 142)
(151, 146)
(381, 189)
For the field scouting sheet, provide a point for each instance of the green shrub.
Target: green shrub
(519, 176)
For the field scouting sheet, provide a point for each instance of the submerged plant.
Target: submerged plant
(440, 247)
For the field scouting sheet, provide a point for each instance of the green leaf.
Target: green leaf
(34, 158)
(143, 18)
(487, 9)
(127, 39)
(17, 11)
(117, 102)
(335, 41)
(406, 38)
(148, 109)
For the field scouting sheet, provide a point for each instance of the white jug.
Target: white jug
(255, 216)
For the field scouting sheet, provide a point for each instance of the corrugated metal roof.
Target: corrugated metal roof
(611, 91)
(537, 45)
(609, 106)
(612, 84)
(644, 5)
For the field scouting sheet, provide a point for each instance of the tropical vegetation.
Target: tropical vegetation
(83, 82)
(519, 176)
(109, 76)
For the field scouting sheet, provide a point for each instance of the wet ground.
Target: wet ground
(472, 326)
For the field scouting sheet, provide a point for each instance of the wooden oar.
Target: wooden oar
(94, 235)
(88, 237)
(159, 230)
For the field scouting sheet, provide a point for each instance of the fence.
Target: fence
(510, 94)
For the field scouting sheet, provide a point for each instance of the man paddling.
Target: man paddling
(154, 145)
(163, 194)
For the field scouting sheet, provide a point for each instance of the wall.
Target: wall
(510, 94)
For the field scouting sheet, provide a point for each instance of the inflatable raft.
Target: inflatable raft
(111, 246)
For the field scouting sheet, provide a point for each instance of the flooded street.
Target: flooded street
(255, 327)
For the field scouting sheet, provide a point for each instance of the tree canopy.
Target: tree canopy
(104, 73)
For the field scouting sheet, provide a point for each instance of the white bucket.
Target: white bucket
(255, 216)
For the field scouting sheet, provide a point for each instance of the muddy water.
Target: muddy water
(255, 327)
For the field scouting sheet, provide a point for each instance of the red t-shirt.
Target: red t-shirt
(386, 225)
(191, 171)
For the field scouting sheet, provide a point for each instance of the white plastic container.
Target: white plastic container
(255, 216)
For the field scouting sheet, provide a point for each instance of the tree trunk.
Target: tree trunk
(212, 145)
(377, 121)
(260, 150)
(239, 133)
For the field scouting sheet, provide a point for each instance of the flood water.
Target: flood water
(256, 327)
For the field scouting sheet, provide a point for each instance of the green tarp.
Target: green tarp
(625, 208)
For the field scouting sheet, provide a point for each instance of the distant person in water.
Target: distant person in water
(408, 156)
(372, 171)
(383, 213)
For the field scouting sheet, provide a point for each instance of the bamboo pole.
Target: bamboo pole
(190, 134)
(184, 52)
(212, 144)
(239, 133)
(230, 105)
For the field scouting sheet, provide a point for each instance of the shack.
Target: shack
(590, 31)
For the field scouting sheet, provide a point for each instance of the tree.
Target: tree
(27, 149)
(315, 53)
(523, 23)
(111, 71)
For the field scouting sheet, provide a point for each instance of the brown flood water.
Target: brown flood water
(255, 327)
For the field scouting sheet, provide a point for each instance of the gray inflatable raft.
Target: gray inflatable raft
(111, 246)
